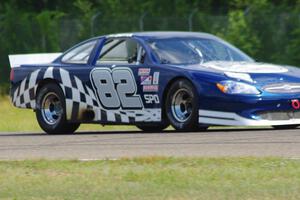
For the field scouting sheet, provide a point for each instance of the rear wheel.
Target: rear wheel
(286, 126)
(182, 106)
(51, 111)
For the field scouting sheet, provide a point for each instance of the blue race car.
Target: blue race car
(152, 80)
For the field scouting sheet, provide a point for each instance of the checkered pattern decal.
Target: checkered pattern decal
(79, 99)
(130, 116)
(24, 95)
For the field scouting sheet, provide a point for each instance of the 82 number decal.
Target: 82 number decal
(116, 88)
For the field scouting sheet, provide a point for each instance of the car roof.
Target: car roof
(165, 35)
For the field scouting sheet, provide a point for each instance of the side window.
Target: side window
(121, 51)
(81, 54)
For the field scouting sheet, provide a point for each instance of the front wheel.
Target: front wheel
(153, 127)
(182, 106)
(51, 111)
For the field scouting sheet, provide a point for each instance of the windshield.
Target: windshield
(195, 50)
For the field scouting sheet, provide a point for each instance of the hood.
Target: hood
(245, 67)
(259, 74)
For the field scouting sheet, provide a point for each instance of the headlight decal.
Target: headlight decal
(234, 87)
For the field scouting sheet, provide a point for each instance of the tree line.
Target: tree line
(267, 30)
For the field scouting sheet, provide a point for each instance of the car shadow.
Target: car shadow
(116, 132)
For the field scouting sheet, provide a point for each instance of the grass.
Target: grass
(152, 178)
(15, 119)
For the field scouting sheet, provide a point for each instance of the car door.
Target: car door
(124, 83)
(73, 75)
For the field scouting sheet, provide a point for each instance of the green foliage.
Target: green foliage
(26, 32)
(239, 33)
(4, 89)
(244, 4)
(47, 23)
(267, 30)
(86, 12)
(293, 47)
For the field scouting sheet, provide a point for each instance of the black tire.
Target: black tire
(153, 127)
(59, 124)
(202, 128)
(282, 127)
(188, 122)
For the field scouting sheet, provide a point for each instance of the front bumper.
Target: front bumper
(238, 110)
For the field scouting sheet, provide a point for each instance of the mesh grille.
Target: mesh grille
(279, 115)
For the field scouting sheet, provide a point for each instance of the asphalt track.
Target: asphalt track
(113, 145)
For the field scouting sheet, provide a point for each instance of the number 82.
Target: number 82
(116, 88)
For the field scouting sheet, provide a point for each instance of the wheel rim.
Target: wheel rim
(51, 109)
(182, 106)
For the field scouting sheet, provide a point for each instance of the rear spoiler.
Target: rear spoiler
(37, 58)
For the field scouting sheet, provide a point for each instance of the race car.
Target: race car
(152, 80)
